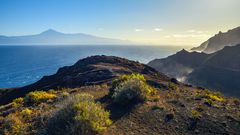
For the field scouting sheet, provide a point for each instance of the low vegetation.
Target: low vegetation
(215, 96)
(91, 115)
(79, 114)
(128, 88)
(92, 109)
(195, 114)
(210, 97)
(26, 112)
(172, 86)
(12, 125)
(38, 97)
(18, 102)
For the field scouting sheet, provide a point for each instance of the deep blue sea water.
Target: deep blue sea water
(22, 65)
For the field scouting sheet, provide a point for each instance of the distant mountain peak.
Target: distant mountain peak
(53, 37)
(219, 41)
(219, 71)
(183, 51)
(51, 31)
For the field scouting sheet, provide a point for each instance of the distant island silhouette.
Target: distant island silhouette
(53, 37)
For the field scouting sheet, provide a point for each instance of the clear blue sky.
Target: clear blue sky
(187, 22)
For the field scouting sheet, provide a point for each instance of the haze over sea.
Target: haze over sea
(22, 65)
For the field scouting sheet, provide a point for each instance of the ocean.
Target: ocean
(23, 65)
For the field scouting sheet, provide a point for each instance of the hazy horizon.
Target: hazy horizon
(130, 43)
(143, 21)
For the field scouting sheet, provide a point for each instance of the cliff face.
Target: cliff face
(180, 64)
(219, 41)
(219, 70)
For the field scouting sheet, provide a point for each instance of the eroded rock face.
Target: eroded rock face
(179, 65)
(218, 71)
(219, 41)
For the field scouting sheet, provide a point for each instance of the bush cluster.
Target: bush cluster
(128, 88)
(215, 97)
(38, 97)
(17, 123)
(123, 78)
(172, 86)
(79, 114)
(92, 115)
(12, 125)
(18, 102)
(211, 95)
(26, 112)
(195, 114)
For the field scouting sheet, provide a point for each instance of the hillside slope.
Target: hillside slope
(89, 71)
(219, 71)
(219, 41)
(174, 108)
(180, 64)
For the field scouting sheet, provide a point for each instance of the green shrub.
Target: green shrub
(211, 95)
(18, 102)
(172, 86)
(26, 112)
(65, 94)
(123, 78)
(38, 97)
(208, 102)
(215, 96)
(12, 125)
(195, 114)
(78, 114)
(128, 88)
(83, 97)
(91, 115)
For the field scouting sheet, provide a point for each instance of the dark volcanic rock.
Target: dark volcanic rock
(173, 109)
(180, 64)
(91, 70)
(218, 71)
(221, 71)
(88, 71)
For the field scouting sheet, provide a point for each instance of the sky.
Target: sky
(153, 22)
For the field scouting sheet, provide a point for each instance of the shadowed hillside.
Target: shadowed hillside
(89, 71)
(111, 95)
(219, 71)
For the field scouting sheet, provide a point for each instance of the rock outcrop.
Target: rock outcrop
(219, 71)
(219, 41)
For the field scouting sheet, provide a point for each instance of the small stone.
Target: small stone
(169, 117)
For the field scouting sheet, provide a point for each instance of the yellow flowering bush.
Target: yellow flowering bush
(195, 114)
(18, 102)
(129, 88)
(26, 112)
(92, 115)
(210, 95)
(38, 96)
(79, 114)
(123, 78)
(12, 125)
